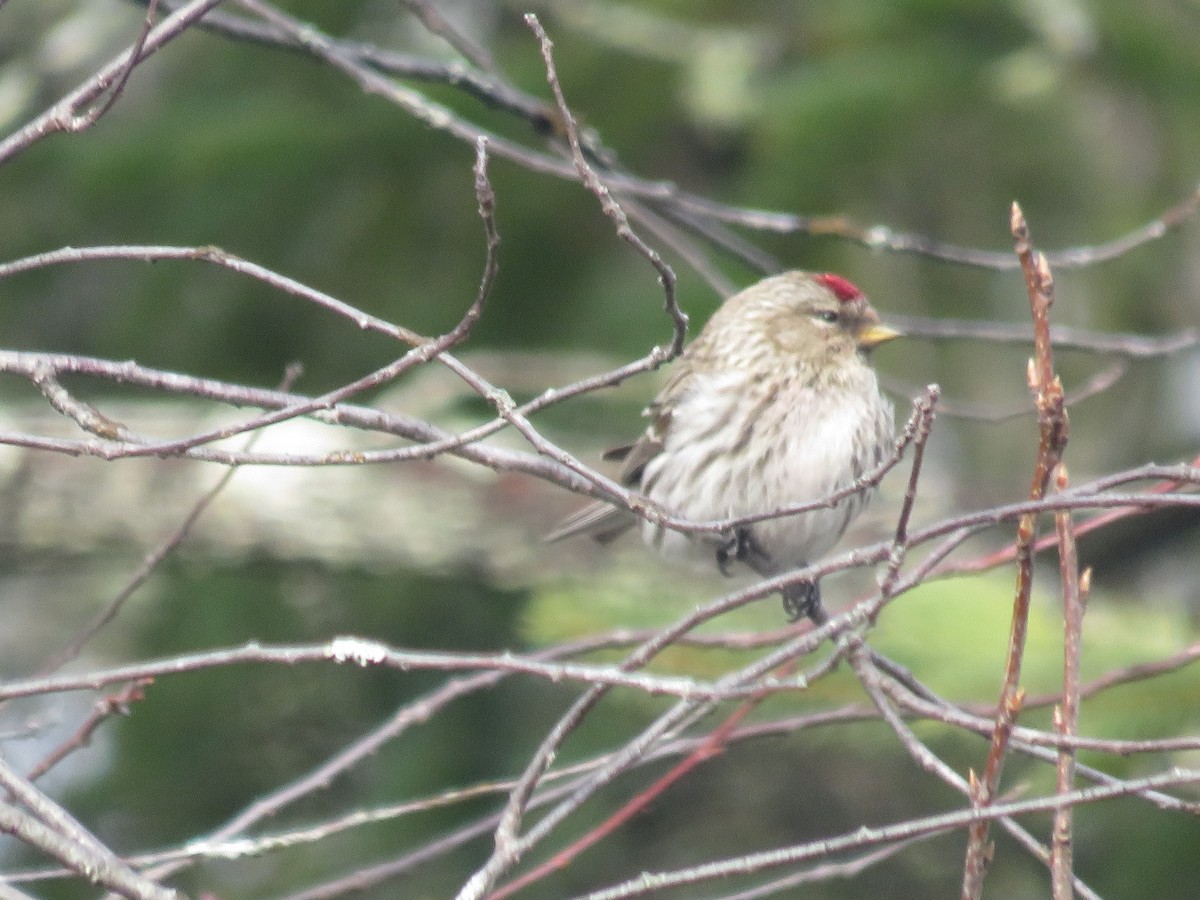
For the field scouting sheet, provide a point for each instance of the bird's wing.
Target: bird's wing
(648, 446)
(600, 520)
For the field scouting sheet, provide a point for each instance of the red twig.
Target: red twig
(1096, 523)
(1052, 421)
(711, 746)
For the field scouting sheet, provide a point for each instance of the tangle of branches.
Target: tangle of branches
(530, 829)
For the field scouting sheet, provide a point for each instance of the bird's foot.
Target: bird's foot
(739, 547)
(804, 599)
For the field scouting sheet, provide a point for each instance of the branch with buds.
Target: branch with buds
(720, 712)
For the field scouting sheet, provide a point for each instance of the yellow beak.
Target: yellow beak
(873, 335)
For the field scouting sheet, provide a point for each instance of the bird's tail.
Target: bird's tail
(600, 521)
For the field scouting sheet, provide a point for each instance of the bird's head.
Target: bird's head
(819, 323)
(814, 320)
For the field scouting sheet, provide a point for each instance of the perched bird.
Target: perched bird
(772, 405)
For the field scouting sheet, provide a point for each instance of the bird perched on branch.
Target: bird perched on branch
(772, 405)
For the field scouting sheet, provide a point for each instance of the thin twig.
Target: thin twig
(995, 413)
(224, 846)
(611, 208)
(365, 652)
(93, 115)
(155, 558)
(864, 666)
(881, 237)
(365, 63)
(398, 723)
(710, 746)
(916, 828)
(55, 831)
(1052, 422)
(1037, 744)
(918, 430)
(436, 22)
(1062, 337)
(63, 116)
(1066, 716)
(510, 846)
(115, 704)
(491, 89)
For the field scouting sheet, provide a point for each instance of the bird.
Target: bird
(773, 404)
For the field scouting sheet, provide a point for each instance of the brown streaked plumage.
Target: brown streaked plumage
(773, 404)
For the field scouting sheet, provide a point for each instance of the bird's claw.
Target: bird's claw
(804, 600)
(739, 547)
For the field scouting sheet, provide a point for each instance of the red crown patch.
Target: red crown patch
(843, 289)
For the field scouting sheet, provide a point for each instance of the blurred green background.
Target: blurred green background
(925, 116)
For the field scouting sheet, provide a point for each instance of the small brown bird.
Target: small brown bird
(772, 405)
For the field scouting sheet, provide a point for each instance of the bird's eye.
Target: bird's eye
(827, 316)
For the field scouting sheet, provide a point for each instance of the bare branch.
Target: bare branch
(64, 115)
(365, 652)
(365, 64)
(1052, 422)
(611, 208)
(53, 830)
(860, 838)
(431, 17)
(1066, 716)
(115, 704)
(532, 808)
